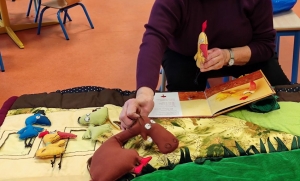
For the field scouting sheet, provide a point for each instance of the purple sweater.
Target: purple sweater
(230, 23)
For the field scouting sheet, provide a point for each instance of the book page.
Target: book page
(239, 91)
(194, 104)
(180, 104)
(166, 105)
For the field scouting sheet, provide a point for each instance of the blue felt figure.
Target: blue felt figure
(38, 118)
(30, 131)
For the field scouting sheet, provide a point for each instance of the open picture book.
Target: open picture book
(213, 101)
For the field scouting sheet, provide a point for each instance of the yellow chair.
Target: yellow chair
(62, 6)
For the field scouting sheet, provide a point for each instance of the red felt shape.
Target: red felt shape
(204, 47)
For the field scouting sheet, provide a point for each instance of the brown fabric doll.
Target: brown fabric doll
(111, 161)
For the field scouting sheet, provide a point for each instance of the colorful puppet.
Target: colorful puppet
(54, 145)
(201, 54)
(30, 131)
(96, 123)
(111, 161)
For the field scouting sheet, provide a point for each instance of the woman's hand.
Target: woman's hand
(142, 105)
(216, 59)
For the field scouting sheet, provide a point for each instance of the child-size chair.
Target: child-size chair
(62, 6)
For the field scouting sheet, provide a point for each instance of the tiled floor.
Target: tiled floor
(104, 56)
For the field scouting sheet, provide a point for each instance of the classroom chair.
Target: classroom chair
(1, 64)
(62, 6)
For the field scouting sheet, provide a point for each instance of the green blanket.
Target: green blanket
(268, 167)
(286, 119)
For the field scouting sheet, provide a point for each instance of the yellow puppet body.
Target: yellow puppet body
(201, 54)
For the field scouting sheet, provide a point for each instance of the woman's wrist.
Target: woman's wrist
(226, 56)
(145, 93)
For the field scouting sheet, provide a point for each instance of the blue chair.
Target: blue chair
(1, 64)
(37, 7)
(62, 6)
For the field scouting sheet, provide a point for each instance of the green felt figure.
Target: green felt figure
(95, 132)
(96, 123)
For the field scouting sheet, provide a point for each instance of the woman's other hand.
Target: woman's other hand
(142, 105)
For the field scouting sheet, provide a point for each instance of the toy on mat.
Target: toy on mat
(111, 161)
(30, 131)
(54, 145)
(201, 54)
(95, 122)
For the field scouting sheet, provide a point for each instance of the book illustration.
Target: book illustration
(241, 94)
(185, 96)
(244, 80)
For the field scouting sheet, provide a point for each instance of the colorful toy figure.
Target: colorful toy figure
(111, 161)
(30, 131)
(96, 123)
(201, 54)
(54, 145)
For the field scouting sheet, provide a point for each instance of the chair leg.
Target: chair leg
(62, 25)
(1, 64)
(163, 80)
(66, 15)
(207, 85)
(37, 10)
(69, 17)
(225, 79)
(40, 20)
(29, 7)
(87, 15)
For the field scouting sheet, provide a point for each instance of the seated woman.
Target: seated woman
(241, 39)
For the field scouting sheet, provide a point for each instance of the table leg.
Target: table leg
(6, 27)
(14, 37)
(5, 23)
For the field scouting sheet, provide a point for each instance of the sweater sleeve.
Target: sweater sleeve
(263, 41)
(164, 19)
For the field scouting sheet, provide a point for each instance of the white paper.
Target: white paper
(166, 105)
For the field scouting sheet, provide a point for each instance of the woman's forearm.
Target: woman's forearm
(242, 55)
